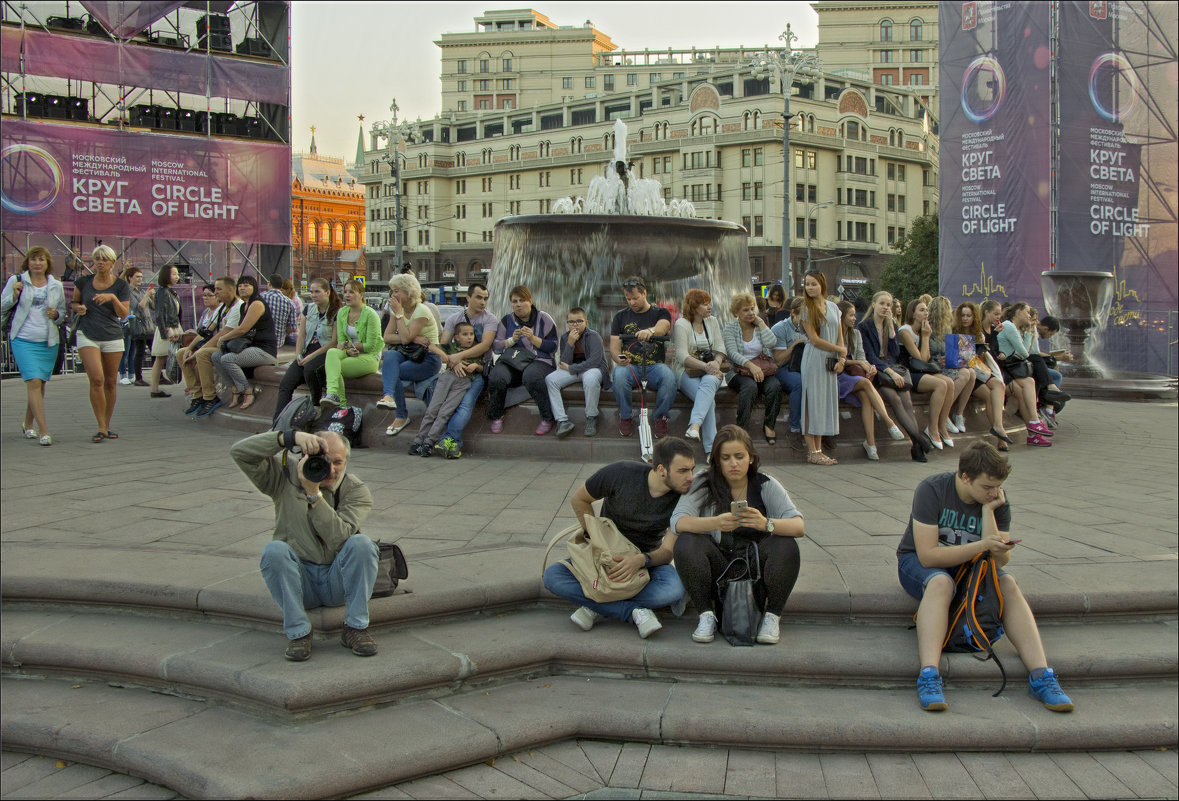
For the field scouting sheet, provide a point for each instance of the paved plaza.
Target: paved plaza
(163, 507)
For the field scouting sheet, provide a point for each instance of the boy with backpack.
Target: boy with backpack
(449, 392)
(955, 518)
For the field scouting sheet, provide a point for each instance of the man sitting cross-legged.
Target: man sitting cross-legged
(955, 518)
(318, 556)
(639, 500)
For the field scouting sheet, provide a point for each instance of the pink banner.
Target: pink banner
(71, 180)
(90, 58)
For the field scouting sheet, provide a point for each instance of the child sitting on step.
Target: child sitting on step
(448, 394)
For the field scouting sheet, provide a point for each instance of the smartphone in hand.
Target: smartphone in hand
(738, 507)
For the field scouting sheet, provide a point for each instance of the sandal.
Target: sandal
(233, 399)
(111, 435)
(247, 399)
(820, 458)
(97, 438)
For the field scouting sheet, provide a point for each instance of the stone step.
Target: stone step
(208, 750)
(245, 667)
(225, 586)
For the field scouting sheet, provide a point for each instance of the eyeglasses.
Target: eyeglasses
(633, 285)
(574, 322)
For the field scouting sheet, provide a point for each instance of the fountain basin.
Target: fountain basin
(1080, 299)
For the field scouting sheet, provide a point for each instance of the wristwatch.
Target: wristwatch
(647, 560)
(311, 499)
(769, 525)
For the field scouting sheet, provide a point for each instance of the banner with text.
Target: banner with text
(995, 150)
(1118, 157)
(69, 180)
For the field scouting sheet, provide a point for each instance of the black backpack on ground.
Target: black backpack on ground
(298, 415)
(976, 613)
(346, 421)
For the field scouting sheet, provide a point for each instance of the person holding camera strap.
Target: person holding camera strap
(318, 556)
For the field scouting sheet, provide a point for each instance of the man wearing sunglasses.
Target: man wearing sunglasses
(642, 321)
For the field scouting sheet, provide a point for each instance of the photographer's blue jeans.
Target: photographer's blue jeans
(297, 586)
(395, 368)
(658, 375)
(462, 415)
(664, 589)
(702, 392)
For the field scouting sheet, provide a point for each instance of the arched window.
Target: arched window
(325, 234)
(338, 235)
(311, 233)
(745, 121)
(423, 160)
(915, 30)
(810, 123)
(900, 138)
(756, 120)
(486, 155)
(460, 159)
(886, 30)
(350, 242)
(543, 149)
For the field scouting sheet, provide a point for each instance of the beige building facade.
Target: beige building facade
(699, 121)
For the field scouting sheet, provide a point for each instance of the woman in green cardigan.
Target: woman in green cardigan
(359, 344)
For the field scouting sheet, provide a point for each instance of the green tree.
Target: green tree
(913, 271)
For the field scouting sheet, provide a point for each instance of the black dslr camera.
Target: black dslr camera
(317, 468)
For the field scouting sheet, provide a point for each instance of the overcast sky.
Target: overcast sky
(353, 58)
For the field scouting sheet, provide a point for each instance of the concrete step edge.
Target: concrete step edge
(205, 751)
(246, 668)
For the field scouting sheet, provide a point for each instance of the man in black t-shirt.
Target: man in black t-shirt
(955, 518)
(642, 321)
(639, 500)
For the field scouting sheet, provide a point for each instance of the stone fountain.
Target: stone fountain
(579, 255)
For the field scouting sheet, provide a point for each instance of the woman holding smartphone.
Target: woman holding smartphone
(729, 506)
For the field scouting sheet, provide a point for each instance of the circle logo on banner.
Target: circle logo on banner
(30, 179)
(1120, 88)
(983, 87)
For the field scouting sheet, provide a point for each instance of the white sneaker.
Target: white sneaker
(959, 421)
(706, 628)
(126, 381)
(768, 633)
(585, 618)
(646, 621)
(46, 439)
(896, 433)
(951, 427)
(871, 451)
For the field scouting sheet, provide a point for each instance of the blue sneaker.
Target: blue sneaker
(1046, 690)
(208, 407)
(929, 690)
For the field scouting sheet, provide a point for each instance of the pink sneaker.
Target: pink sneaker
(497, 426)
(542, 429)
(1040, 428)
(1038, 440)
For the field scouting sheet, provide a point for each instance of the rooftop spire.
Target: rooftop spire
(314, 150)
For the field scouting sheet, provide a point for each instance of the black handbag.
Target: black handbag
(517, 358)
(1017, 367)
(238, 344)
(737, 588)
(882, 381)
(391, 569)
(414, 351)
(922, 366)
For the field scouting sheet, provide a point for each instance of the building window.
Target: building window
(915, 30)
(589, 82)
(546, 179)
(507, 65)
(462, 86)
(460, 212)
(891, 203)
(544, 206)
(514, 207)
(485, 65)
(888, 79)
(758, 155)
(461, 66)
(655, 77)
(758, 226)
(886, 56)
(675, 75)
(423, 237)
(484, 105)
(483, 85)
(506, 83)
(488, 209)
(567, 82)
(575, 175)
(916, 55)
(632, 79)
(900, 172)
(608, 83)
(746, 157)
(746, 191)
(886, 30)
(757, 187)
(916, 80)
(901, 204)
(462, 105)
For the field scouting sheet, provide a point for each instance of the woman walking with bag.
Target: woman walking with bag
(36, 301)
(411, 330)
(750, 343)
(820, 388)
(100, 301)
(700, 364)
(166, 308)
(729, 506)
(356, 345)
(526, 341)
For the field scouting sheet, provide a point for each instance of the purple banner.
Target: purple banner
(1118, 167)
(71, 180)
(125, 18)
(100, 60)
(995, 150)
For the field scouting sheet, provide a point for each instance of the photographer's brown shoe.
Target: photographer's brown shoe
(359, 640)
(299, 649)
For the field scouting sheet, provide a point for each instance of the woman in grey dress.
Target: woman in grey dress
(820, 387)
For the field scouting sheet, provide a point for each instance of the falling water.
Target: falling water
(622, 227)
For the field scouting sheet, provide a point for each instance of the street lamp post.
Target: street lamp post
(394, 132)
(814, 208)
(786, 64)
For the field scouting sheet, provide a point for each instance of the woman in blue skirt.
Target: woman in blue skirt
(37, 301)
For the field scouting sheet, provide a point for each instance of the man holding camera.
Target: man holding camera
(318, 556)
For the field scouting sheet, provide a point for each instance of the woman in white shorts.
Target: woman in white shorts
(166, 306)
(101, 301)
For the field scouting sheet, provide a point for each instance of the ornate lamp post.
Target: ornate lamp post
(814, 208)
(786, 64)
(395, 131)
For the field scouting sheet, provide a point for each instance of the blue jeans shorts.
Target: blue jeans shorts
(915, 576)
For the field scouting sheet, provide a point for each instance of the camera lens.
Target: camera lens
(316, 468)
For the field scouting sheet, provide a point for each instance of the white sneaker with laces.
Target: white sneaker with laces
(768, 633)
(646, 622)
(706, 628)
(585, 618)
